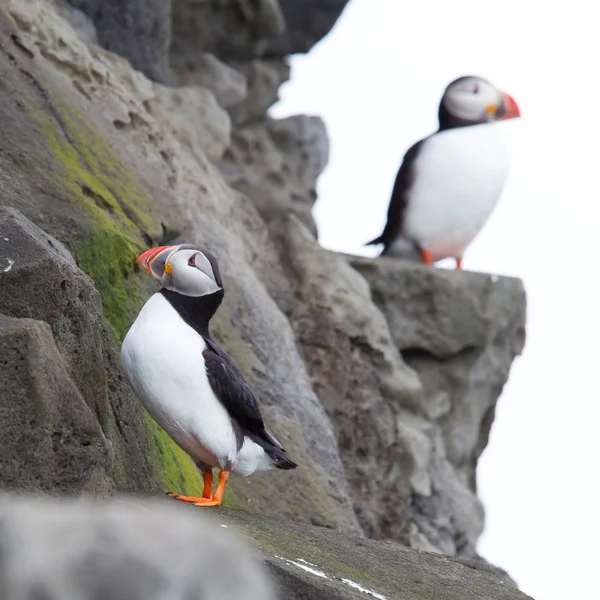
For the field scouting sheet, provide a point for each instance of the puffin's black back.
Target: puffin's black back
(399, 200)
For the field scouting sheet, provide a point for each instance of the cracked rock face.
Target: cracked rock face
(380, 376)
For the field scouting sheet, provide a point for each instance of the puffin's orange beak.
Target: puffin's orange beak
(508, 108)
(155, 260)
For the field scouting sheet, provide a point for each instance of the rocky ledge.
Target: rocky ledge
(137, 548)
(380, 376)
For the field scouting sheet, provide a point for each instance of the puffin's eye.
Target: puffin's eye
(192, 261)
(476, 89)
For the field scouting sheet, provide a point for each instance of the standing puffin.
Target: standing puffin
(189, 385)
(449, 182)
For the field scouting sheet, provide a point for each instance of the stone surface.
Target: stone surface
(39, 280)
(379, 376)
(263, 78)
(276, 164)
(460, 332)
(78, 20)
(197, 120)
(127, 550)
(203, 69)
(401, 407)
(316, 563)
(157, 188)
(307, 22)
(357, 373)
(235, 30)
(139, 30)
(51, 440)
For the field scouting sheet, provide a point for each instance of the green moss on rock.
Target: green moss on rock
(93, 178)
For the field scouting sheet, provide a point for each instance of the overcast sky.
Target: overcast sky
(376, 80)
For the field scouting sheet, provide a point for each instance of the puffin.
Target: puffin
(189, 385)
(450, 182)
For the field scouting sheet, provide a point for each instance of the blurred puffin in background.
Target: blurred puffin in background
(450, 182)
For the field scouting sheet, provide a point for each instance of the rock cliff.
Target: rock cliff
(379, 376)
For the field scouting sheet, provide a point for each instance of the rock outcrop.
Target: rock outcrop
(134, 548)
(380, 376)
(126, 550)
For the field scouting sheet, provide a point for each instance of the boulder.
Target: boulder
(198, 122)
(51, 439)
(307, 22)
(138, 30)
(206, 70)
(460, 332)
(315, 563)
(126, 550)
(230, 30)
(409, 362)
(276, 164)
(263, 79)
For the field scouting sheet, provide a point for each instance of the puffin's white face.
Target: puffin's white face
(185, 269)
(475, 100)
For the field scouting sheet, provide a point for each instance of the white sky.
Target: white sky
(376, 80)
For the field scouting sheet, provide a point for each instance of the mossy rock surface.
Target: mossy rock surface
(309, 562)
(59, 169)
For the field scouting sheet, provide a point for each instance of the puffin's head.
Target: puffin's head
(472, 100)
(186, 269)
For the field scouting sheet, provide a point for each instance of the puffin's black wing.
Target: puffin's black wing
(399, 199)
(230, 387)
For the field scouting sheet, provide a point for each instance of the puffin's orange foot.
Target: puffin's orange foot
(458, 263)
(207, 502)
(427, 257)
(192, 499)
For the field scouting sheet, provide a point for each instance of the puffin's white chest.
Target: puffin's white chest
(163, 362)
(458, 179)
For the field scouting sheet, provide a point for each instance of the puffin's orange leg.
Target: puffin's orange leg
(427, 257)
(208, 483)
(459, 263)
(206, 492)
(218, 497)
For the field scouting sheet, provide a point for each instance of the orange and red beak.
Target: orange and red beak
(155, 260)
(508, 108)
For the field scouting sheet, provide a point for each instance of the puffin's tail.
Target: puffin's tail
(281, 460)
(275, 451)
(377, 240)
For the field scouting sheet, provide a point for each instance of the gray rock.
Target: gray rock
(227, 84)
(420, 422)
(126, 550)
(39, 280)
(91, 156)
(79, 21)
(358, 374)
(304, 140)
(138, 30)
(196, 119)
(235, 30)
(307, 22)
(257, 335)
(153, 180)
(276, 164)
(264, 77)
(460, 332)
(317, 563)
(51, 440)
